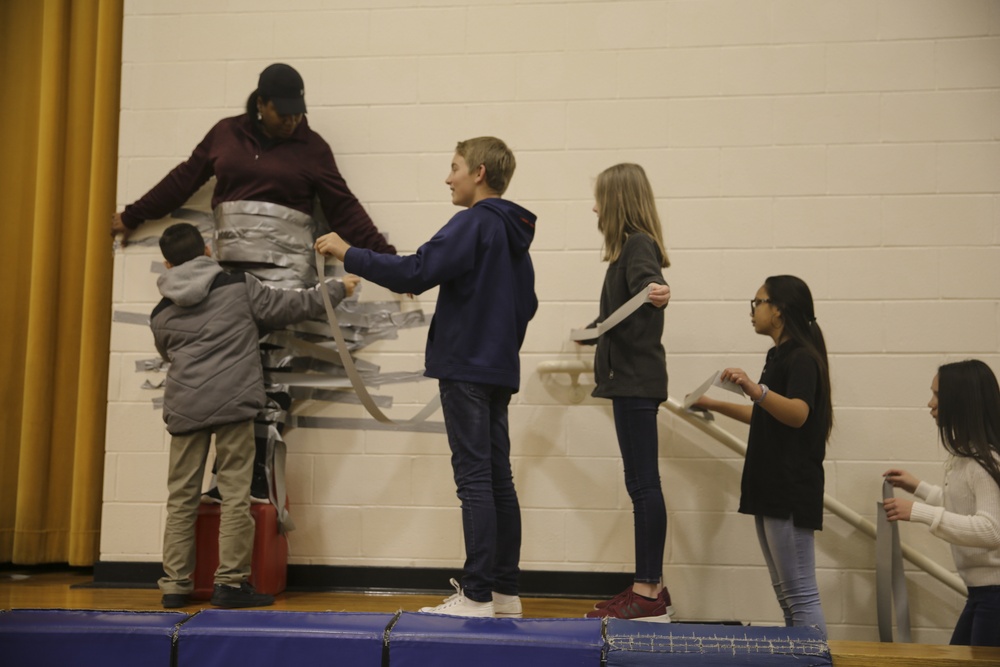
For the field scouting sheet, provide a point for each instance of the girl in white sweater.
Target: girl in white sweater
(965, 403)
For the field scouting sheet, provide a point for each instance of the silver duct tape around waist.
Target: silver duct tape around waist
(275, 238)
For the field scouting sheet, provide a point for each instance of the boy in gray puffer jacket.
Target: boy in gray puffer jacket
(207, 327)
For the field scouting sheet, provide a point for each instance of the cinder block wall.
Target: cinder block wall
(853, 143)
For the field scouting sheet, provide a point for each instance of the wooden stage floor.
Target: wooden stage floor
(71, 590)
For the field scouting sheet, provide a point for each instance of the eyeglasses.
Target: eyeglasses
(756, 302)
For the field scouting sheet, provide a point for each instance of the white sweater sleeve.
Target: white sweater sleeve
(930, 493)
(981, 528)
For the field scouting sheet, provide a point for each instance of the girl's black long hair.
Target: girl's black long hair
(792, 297)
(969, 412)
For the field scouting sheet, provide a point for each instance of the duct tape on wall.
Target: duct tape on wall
(352, 372)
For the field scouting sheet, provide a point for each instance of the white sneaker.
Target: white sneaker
(506, 606)
(459, 605)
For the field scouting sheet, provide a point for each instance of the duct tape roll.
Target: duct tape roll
(352, 371)
(612, 320)
(890, 579)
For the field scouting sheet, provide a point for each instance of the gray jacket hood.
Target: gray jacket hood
(207, 326)
(189, 283)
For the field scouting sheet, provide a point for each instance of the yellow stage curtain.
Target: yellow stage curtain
(60, 71)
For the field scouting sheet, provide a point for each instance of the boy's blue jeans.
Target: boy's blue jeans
(475, 417)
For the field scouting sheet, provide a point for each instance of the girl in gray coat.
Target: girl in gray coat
(630, 368)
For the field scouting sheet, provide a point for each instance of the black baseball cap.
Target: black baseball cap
(281, 84)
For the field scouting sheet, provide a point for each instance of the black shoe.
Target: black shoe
(212, 496)
(175, 600)
(230, 597)
(258, 495)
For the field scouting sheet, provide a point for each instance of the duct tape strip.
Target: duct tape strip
(311, 380)
(156, 364)
(130, 318)
(352, 372)
(353, 424)
(614, 318)
(274, 469)
(334, 396)
(890, 579)
(303, 347)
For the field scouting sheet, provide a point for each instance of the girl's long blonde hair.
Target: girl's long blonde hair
(625, 205)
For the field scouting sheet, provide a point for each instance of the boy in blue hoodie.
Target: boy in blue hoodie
(480, 261)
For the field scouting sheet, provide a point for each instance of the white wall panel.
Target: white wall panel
(853, 143)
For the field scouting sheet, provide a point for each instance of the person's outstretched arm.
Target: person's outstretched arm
(274, 308)
(169, 194)
(789, 411)
(735, 411)
(449, 254)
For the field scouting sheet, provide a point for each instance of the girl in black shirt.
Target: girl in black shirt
(790, 421)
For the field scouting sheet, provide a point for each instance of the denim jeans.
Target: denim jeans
(979, 623)
(790, 554)
(635, 423)
(475, 417)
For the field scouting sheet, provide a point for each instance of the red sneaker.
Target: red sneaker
(604, 603)
(630, 605)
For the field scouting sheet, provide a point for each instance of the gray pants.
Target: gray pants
(790, 554)
(234, 447)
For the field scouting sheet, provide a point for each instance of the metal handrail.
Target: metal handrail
(948, 578)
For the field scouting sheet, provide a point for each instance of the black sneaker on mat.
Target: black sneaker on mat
(231, 597)
(175, 600)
